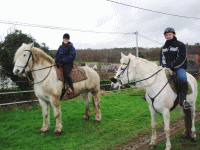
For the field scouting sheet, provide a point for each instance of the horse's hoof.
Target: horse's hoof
(57, 133)
(194, 139)
(85, 119)
(97, 121)
(42, 132)
(152, 146)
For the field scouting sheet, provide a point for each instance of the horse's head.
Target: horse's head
(23, 58)
(126, 71)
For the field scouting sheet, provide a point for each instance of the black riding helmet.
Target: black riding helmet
(66, 36)
(169, 29)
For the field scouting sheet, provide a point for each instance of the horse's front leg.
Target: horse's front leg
(153, 126)
(45, 111)
(166, 117)
(55, 103)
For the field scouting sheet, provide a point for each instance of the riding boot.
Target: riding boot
(70, 82)
(182, 94)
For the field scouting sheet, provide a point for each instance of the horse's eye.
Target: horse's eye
(24, 55)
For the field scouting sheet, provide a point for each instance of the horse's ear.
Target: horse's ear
(122, 55)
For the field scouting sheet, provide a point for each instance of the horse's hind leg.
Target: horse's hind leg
(153, 126)
(45, 111)
(87, 104)
(96, 106)
(55, 103)
(193, 131)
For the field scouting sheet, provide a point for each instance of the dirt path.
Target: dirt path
(144, 140)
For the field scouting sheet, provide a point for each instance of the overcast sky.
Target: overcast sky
(102, 16)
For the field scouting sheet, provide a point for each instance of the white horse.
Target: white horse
(48, 88)
(135, 68)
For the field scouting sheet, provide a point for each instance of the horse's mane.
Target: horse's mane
(142, 60)
(38, 54)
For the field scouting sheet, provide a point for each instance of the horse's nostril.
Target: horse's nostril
(113, 80)
(16, 71)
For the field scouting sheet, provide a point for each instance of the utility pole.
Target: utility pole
(136, 33)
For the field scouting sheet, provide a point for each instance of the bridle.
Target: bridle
(24, 67)
(31, 70)
(126, 68)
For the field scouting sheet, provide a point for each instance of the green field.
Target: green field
(123, 117)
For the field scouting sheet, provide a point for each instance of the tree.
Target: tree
(7, 50)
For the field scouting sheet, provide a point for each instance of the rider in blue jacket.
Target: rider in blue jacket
(65, 55)
(174, 55)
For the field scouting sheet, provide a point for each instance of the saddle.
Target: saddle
(77, 74)
(173, 81)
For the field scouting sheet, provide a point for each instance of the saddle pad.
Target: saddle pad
(77, 74)
(172, 84)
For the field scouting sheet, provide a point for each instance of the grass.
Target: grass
(123, 117)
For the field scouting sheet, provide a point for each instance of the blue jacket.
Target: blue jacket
(173, 54)
(66, 54)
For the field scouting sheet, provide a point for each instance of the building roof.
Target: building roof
(108, 67)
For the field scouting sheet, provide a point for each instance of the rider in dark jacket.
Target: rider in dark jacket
(65, 55)
(174, 55)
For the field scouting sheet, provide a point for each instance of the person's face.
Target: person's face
(65, 40)
(169, 35)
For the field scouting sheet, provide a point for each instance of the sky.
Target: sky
(99, 24)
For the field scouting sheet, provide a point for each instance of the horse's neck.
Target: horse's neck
(155, 83)
(39, 75)
(145, 70)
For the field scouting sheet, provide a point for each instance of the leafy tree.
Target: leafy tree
(7, 50)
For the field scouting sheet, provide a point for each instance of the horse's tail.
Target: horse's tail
(93, 104)
(188, 122)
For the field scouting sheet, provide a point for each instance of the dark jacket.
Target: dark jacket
(66, 54)
(173, 54)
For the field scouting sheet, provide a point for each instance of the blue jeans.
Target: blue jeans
(181, 74)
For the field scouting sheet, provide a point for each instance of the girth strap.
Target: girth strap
(153, 99)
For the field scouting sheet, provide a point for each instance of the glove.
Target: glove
(169, 66)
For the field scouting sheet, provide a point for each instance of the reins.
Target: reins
(31, 82)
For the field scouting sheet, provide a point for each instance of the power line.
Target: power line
(152, 10)
(57, 28)
(150, 39)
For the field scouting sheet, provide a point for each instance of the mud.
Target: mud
(144, 140)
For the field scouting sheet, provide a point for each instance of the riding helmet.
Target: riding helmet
(66, 36)
(169, 29)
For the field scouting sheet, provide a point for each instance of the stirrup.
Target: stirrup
(186, 103)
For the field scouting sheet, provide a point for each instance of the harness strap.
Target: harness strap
(153, 99)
